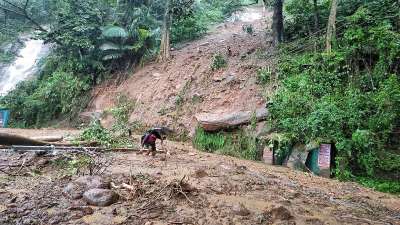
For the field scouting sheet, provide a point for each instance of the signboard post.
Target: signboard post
(324, 160)
(268, 156)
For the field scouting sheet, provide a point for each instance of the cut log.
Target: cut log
(14, 139)
(218, 121)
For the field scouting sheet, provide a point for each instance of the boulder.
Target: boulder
(218, 121)
(100, 197)
(281, 213)
(298, 157)
(240, 210)
(75, 189)
(200, 173)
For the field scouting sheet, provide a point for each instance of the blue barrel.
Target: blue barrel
(4, 117)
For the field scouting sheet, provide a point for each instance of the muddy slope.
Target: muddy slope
(171, 93)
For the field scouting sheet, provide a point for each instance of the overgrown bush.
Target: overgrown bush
(188, 28)
(117, 135)
(96, 132)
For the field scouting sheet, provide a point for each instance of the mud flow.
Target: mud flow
(185, 187)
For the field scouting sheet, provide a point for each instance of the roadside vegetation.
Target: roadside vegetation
(349, 94)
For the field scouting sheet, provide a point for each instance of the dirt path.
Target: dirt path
(223, 190)
(171, 93)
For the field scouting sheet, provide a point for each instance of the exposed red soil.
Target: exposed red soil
(188, 76)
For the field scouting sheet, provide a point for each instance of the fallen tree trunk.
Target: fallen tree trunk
(217, 121)
(49, 138)
(14, 139)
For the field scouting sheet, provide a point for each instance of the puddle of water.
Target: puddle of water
(99, 219)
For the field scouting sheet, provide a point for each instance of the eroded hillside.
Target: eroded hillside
(171, 93)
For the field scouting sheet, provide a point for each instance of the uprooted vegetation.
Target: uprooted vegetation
(118, 134)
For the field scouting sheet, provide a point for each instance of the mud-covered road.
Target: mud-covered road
(217, 190)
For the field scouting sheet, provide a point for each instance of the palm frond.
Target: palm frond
(109, 46)
(115, 32)
(111, 56)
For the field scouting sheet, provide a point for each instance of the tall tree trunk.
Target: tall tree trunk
(316, 16)
(331, 30)
(277, 22)
(165, 37)
(5, 17)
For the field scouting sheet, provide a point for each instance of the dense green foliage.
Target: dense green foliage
(203, 14)
(35, 102)
(350, 97)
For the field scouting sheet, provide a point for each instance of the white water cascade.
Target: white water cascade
(24, 66)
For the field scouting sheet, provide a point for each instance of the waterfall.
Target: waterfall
(24, 66)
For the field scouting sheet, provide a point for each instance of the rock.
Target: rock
(218, 121)
(204, 44)
(281, 213)
(200, 173)
(100, 197)
(240, 210)
(157, 75)
(230, 79)
(298, 157)
(218, 78)
(85, 210)
(75, 189)
(92, 182)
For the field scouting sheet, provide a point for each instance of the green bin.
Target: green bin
(4, 117)
(312, 160)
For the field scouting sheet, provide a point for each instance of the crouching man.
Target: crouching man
(148, 140)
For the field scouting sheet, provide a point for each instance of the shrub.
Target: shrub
(248, 29)
(240, 144)
(264, 75)
(209, 142)
(218, 62)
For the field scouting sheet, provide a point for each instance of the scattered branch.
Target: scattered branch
(22, 11)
